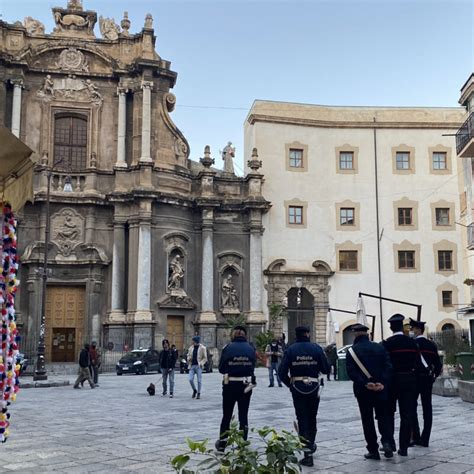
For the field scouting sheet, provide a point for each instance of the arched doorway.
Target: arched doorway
(300, 311)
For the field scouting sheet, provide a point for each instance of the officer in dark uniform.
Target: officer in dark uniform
(304, 361)
(370, 388)
(237, 364)
(427, 369)
(404, 355)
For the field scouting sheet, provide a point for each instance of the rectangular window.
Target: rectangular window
(295, 215)
(406, 259)
(347, 260)
(296, 158)
(346, 160)
(347, 216)
(403, 160)
(439, 160)
(447, 298)
(442, 216)
(405, 216)
(445, 259)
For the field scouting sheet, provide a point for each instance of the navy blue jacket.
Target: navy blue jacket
(302, 359)
(238, 358)
(375, 359)
(404, 353)
(429, 351)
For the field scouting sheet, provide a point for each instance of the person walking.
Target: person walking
(331, 355)
(299, 370)
(168, 358)
(237, 364)
(404, 354)
(197, 358)
(428, 368)
(95, 358)
(84, 372)
(274, 353)
(369, 367)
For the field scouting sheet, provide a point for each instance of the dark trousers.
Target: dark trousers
(95, 373)
(424, 391)
(334, 371)
(368, 404)
(306, 409)
(403, 390)
(233, 393)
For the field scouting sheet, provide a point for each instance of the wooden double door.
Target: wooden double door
(65, 321)
(175, 332)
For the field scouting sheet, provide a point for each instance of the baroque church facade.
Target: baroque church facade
(145, 243)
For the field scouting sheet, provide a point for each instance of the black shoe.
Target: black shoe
(307, 461)
(271, 385)
(280, 385)
(374, 456)
(77, 386)
(314, 448)
(387, 450)
(163, 394)
(198, 396)
(194, 393)
(220, 446)
(424, 444)
(402, 452)
(171, 395)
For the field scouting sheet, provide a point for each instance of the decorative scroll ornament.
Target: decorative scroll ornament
(72, 59)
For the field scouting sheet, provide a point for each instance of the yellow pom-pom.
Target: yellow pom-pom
(13, 397)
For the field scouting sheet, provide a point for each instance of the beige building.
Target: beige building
(363, 199)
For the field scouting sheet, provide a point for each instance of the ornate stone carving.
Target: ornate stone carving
(254, 164)
(170, 100)
(229, 295)
(48, 87)
(74, 20)
(72, 59)
(206, 160)
(70, 88)
(108, 28)
(228, 154)
(149, 21)
(176, 301)
(125, 24)
(74, 5)
(33, 27)
(176, 272)
(180, 148)
(67, 230)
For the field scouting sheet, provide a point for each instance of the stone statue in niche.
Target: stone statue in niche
(108, 28)
(230, 298)
(176, 273)
(33, 27)
(228, 154)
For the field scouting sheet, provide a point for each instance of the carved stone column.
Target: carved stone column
(207, 291)
(143, 312)
(117, 313)
(146, 121)
(16, 106)
(256, 274)
(121, 131)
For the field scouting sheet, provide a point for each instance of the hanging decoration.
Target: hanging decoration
(9, 369)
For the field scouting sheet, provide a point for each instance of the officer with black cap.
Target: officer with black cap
(404, 355)
(369, 367)
(427, 369)
(237, 364)
(304, 361)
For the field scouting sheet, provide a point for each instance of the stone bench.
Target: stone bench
(466, 390)
(446, 386)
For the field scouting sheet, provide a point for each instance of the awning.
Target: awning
(16, 170)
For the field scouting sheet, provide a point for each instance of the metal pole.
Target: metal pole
(40, 370)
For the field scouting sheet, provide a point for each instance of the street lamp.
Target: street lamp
(40, 369)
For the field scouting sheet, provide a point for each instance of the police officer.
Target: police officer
(427, 369)
(304, 361)
(237, 364)
(369, 367)
(404, 355)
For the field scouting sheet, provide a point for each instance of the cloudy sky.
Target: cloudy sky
(341, 52)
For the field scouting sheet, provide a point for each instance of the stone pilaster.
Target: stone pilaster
(207, 290)
(143, 312)
(121, 130)
(16, 106)
(146, 121)
(117, 304)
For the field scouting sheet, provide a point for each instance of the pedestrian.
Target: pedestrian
(197, 358)
(404, 354)
(274, 353)
(96, 359)
(428, 368)
(84, 372)
(331, 355)
(282, 342)
(237, 364)
(304, 361)
(369, 367)
(168, 358)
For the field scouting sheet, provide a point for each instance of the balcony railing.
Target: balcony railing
(465, 133)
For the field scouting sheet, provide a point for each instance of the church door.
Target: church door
(175, 331)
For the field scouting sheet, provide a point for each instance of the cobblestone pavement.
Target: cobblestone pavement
(119, 428)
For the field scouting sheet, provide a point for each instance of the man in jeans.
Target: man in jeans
(273, 353)
(168, 359)
(197, 357)
(84, 372)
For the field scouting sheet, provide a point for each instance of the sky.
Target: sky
(228, 53)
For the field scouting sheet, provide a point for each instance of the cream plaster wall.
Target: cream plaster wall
(321, 187)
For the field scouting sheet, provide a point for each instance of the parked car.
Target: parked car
(22, 361)
(139, 361)
(341, 353)
(208, 366)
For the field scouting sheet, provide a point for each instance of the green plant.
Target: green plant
(276, 310)
(233, 321)
(469, 281)
(277, 454)
(262, 339)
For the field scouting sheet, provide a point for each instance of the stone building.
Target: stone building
(144, 242)
(370, 203)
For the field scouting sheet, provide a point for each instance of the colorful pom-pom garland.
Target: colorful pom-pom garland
(9, 369)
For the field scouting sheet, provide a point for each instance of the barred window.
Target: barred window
(70, 142)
